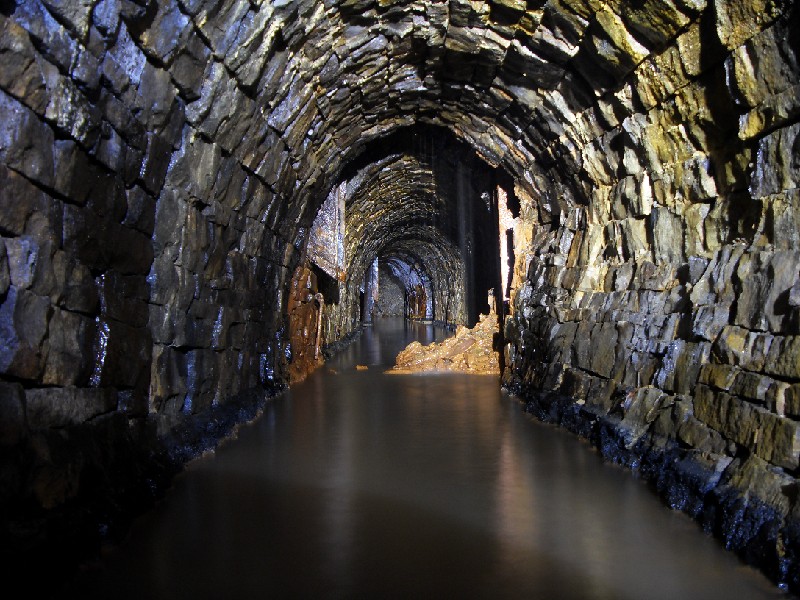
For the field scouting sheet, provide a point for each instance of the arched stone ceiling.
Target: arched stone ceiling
(393, 211)
(395, 197)
(565, 95)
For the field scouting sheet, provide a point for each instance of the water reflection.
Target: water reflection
(359, 484)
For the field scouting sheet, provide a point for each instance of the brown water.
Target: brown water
(364, 485)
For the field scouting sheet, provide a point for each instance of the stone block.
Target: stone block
(771, 437)
(12, 413)
(195, 166)
(85, 71)
(694, 433)
(738, 20)
(70, 344)
(681, 365)
(21, 203)
(124, 298)
(117, 155)
(791, 395)
(603, 349)
(642, 407)
(141, 211)
(75, 287)
(167, 33)
(561, 341)
(783, 213)
(574, 384)
(168, 380)
(155, 98)
(709, 321)
(601, 393)
(118, 113)
(752, 386)
(695, 232)
(201, 368)
(124, 62)
(133, 403)
(750, 350)
(69, 111)
(773, 113)
(758, 479)
(720, 377)
(640, 369)
(776, 168)
(26, 144)
(5, 277)
(61, 407)
(164, 321)
(760, 68)
(75, 176)
(21, 75)
(635, 242)
(783, 358)
(76, 14)
(36, 266)
(23, 256)
(103, 244)
(667, 228)
(188, 67)
(122, 355)
(23, 325)
(763, 303)
(55, 42)
(156, 163)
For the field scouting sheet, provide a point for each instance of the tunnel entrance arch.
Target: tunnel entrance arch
(423, 202)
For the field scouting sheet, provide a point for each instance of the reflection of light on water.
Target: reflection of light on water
(362, 485)
(516, 504)
(339, 478)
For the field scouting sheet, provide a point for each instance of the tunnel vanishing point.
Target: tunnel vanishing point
(200, 197)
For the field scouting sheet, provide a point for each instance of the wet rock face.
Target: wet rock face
(161, 163)
(391, 300)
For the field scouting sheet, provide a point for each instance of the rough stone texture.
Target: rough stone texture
(468, 351)
(417, 202)
(391, 300)
(161, 164)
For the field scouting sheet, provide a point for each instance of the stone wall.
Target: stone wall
(660, 320)
(142, 268)
(391, 294)
(686, 373)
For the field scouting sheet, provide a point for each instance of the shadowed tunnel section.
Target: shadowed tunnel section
(423, 202)
(163, 162)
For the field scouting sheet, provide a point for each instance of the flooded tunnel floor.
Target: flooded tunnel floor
(361, 484)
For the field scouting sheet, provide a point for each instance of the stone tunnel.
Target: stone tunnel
(179, 177)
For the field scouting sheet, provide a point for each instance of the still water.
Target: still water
(359, 484)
